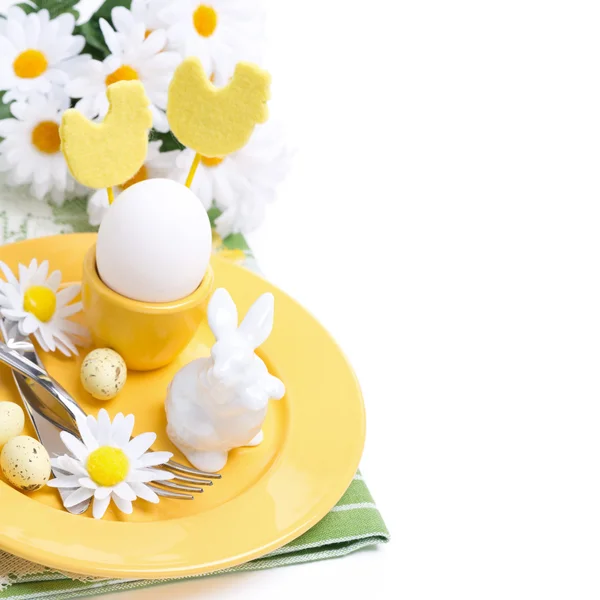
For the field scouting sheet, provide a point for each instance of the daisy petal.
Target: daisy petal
(124, 491)
(70, 481)
(102, 492)
(63, 349)
(104, 427)
(41, 342)
(28, 325)
(122, 434)
(88, 483)
(151, 459)
(144, 492)
(8, 274)
(67, 295)
(42, 273)
(78, 496)
(54, 280)
(65, 343)
(69, 465)
(139, 444)
(116, 424)
(69, 311)
(75, 447)
(110, 37)
(44, 336)
(12, 315)
(92, 425)
(124, 506)
(147, 475)
(85, 431)
(100, 506)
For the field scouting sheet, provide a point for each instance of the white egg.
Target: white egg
(25, 463)
(12, 421)
(154, 243)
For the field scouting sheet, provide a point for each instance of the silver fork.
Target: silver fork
(44, 397)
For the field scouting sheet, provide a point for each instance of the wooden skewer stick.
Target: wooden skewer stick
(190, 177)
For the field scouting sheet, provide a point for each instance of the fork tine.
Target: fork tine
(175, 466)
(167, 494)
(183, 478)
(177, 486)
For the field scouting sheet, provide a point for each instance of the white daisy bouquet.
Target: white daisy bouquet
(49, 62)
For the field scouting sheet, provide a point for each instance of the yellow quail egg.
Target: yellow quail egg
(25, 463)
(12, 421)
(103, 373)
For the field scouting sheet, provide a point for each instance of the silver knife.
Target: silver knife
(47, 416)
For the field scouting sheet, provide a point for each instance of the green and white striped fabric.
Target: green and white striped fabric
(352, 524)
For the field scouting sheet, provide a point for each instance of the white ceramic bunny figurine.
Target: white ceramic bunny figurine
(218, 403)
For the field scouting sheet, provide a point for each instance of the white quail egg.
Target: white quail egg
(103, 373)
(25, 463)
(12, 421)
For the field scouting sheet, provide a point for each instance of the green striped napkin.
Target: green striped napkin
(352, 524)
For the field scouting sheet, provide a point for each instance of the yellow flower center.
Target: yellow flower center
(147, 33)
(123, 73)
(40, 301)
(205, 20)
(30, 64)
(141, 175)
(107, 466)
(46, 138)
(209, 161)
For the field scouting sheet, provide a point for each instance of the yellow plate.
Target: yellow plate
(268, 496)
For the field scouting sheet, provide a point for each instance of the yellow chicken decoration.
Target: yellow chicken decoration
(103, 155)
(216, 121)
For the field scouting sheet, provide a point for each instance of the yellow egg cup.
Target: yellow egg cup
(147, 335)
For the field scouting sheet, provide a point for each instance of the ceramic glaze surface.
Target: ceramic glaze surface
(269, 494)
(147, 335)
(219, 403)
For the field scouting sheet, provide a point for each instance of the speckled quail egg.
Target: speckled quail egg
(25, 463)
(103, 373)
(12, 421)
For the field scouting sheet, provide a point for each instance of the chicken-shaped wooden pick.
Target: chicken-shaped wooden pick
(216, 121)
(102, 155)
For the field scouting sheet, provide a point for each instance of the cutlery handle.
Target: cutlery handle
(43, 418)
(29, 369)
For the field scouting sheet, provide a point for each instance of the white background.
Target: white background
(442, 220)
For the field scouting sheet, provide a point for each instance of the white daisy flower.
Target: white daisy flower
(216, 180)
(219, 32)
(158, 164)
(108, 465)
(246, 215)
(30, 151)
(149, 12)
(242, 183)
(34, 304)
(133, 57)
(36, 53)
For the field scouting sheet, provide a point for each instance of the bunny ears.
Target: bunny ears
(256, 326)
